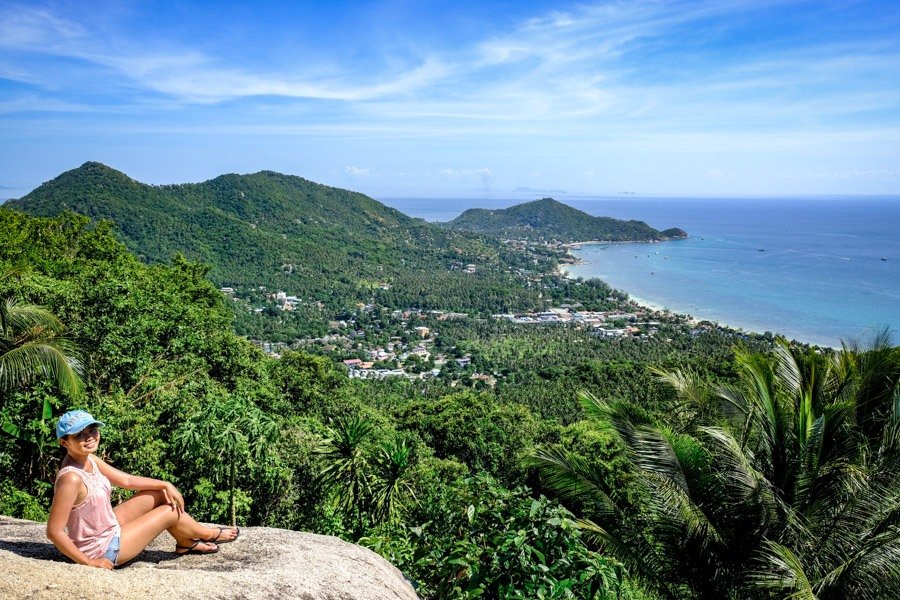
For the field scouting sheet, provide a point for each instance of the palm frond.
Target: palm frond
(677, 518)
(686, 382)
(642, 559)
(22, 317)
(742, 481)
(744, 408)
(574, 479)
(49, 358)
(697, 401)
(788, 368)
(895, 405)
(782, 572)
(763, 396)
(872, 573)
(612, 410)
(651, 450)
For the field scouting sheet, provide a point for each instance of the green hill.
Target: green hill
(548, 220)
(285, 232)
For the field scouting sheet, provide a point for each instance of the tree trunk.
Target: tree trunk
(231, 495)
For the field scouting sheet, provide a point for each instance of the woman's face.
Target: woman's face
(85, 440)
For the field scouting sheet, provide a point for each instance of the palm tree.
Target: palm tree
(346, 475)
(785, 485)
(229, 432)
(844, 511)
(32, 345)
(391, 487)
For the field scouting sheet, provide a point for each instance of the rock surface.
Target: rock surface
(263, 563)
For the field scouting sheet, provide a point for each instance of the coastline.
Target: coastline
(657, 308)
(563, 270)
(607, 242)
(797, 286)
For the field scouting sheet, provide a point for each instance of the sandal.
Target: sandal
(215, 539)
(192, 549)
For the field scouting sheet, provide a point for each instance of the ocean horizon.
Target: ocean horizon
(816, 269)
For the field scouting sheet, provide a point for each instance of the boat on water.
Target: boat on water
(883, 258)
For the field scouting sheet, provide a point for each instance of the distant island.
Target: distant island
(549, 220)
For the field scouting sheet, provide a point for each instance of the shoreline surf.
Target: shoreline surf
(675, 308)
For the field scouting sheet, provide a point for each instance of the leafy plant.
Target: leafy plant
(229, 432)
(478, 539)
(794, 493)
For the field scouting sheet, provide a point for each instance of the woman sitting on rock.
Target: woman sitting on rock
(84, 525)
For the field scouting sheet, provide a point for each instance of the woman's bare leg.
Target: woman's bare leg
(138, 533)
(145, 501)
(138, 505)
(146, 515)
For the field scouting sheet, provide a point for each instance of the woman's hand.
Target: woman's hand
(101, 563)
(173, 497)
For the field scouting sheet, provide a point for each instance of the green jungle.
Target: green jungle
(217, 330)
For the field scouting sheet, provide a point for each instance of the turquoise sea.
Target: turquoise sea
(815, 269)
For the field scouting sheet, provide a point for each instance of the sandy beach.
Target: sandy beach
(564, 271)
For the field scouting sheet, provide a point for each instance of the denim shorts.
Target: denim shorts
(112, 551)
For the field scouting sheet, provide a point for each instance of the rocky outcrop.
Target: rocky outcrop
(263, 563)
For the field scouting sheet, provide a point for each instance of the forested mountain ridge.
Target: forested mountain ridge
(548, 219)
(201, 219)
(281, 231)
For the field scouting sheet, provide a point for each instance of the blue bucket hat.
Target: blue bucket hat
(74, 421)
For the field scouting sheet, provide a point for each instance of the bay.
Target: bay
(816, 269)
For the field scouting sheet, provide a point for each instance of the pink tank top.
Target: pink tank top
(92, 524)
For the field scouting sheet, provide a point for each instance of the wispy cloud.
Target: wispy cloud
(189, 74)
(33, 103)
(482, 172)
(633, 77)
(38, 29)
(585, 67)
(195, 78)
(858, 173)
(358, 172)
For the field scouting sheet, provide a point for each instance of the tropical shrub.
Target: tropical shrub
(785, 485)
(477, 538)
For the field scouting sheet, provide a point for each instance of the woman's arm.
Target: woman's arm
(67, 488)
(134, 482)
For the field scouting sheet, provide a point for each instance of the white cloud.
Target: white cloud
(560, 72)
(36, 29)
(858, 173)
(483, 172)
(196, 78)
(191, 75)
(606, 82)
(358, 172)
(34, 103)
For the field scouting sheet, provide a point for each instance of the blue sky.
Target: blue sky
(470, 99)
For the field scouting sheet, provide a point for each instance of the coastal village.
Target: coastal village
(414, 350)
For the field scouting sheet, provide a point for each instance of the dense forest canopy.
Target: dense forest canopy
(284, 232)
